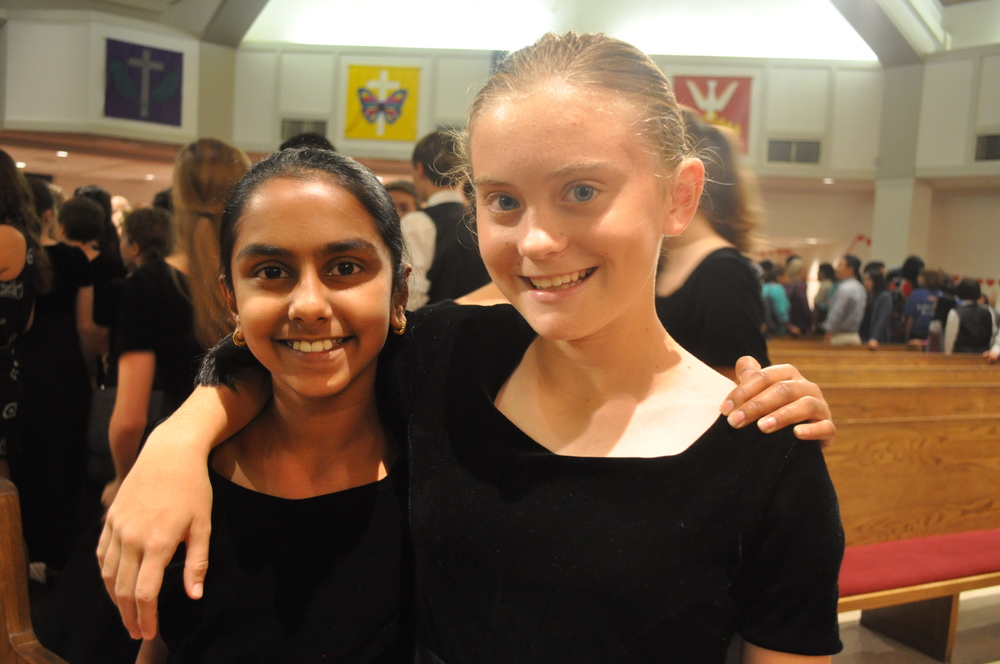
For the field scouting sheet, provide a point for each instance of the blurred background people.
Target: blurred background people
(24, 271)
(708, 296)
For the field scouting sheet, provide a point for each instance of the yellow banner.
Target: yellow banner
(382, 103)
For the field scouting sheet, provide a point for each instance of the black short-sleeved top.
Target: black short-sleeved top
(321, 579)
(525, 556)
(108, 275)
(717, 313)
(156, 315)
(55, 311)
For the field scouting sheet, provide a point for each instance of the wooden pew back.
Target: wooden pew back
(825, 375)
(852, 401)
(19, 645)
(910, 477)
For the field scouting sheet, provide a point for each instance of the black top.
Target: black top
(156, 315)
(108, 275)
(17, 300)
(55, 311)
(975, 328)
(716, 315)
(312, 580)
(457, 268)
(526, 556)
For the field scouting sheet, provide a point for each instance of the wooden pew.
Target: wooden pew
(824, 375)
(918, 489)
(850, 401)
(19, 645)
(806, 358)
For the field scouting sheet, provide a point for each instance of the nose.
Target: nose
(310, 302)
(541, 236)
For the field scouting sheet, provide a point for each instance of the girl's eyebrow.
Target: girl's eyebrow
(563, 171)
(274, 251)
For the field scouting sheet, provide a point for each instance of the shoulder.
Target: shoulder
(13, 251)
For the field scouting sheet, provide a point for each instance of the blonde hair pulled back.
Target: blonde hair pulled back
(204, 172)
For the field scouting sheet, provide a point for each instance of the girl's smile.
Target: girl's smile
(312, 286)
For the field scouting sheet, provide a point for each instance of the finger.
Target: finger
(746, 364)
(757, 395)
(805, 409)
(104, 543)
(752, 379)
(147, 591)
(196, 559)
(124, 588)
(109, 555)
(780, 405)
(822, 431)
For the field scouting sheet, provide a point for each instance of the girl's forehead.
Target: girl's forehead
(311, 207)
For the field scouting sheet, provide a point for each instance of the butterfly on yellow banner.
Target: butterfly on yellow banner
(382, 103)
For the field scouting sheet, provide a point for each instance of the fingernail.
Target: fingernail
(197, 589)
(727, 406)
(736, 419)
(767, 424)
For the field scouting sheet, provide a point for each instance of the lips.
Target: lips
(562, 281)
(317, 346)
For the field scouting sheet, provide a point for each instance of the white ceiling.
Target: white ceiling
(827, 29)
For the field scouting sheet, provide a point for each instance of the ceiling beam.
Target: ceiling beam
(231, 21)
(881, 35)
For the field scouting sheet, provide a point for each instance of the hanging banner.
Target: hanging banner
(382, 103)
(721, 100)
(143, 83)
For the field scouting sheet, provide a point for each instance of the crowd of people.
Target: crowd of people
(398, 476)
(923, 307)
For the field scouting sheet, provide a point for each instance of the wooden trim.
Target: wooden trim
(895, 596)
(19, 643)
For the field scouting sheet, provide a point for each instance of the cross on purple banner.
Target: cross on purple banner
(143, 83)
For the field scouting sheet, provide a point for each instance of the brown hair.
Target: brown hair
(17, 209)
(204, 172)
(730, 200)
(596, 61)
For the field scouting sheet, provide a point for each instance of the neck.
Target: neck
(85, 247)
(685, 252)
(299, 447)
(622, 358)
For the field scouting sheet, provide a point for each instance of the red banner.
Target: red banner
(721, 100)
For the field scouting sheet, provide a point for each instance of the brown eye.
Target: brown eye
(271, 272)
(345, 268)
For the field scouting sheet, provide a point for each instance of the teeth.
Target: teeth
(313, 346)
(560, 282)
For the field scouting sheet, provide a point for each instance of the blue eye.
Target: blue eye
(502, 203)
(582, 193)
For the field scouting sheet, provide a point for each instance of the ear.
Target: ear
(688, 182)
(399, 298)
(230, 299)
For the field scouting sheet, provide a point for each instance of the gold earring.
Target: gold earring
(402, 327)
(238, 338)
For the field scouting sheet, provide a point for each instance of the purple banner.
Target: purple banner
(143, 83)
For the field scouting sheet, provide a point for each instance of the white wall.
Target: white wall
(55, 74)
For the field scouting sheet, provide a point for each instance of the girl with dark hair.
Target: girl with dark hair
(880, 305)
(108, 241)
(313, 275)
(23, 272)
(574, 494)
